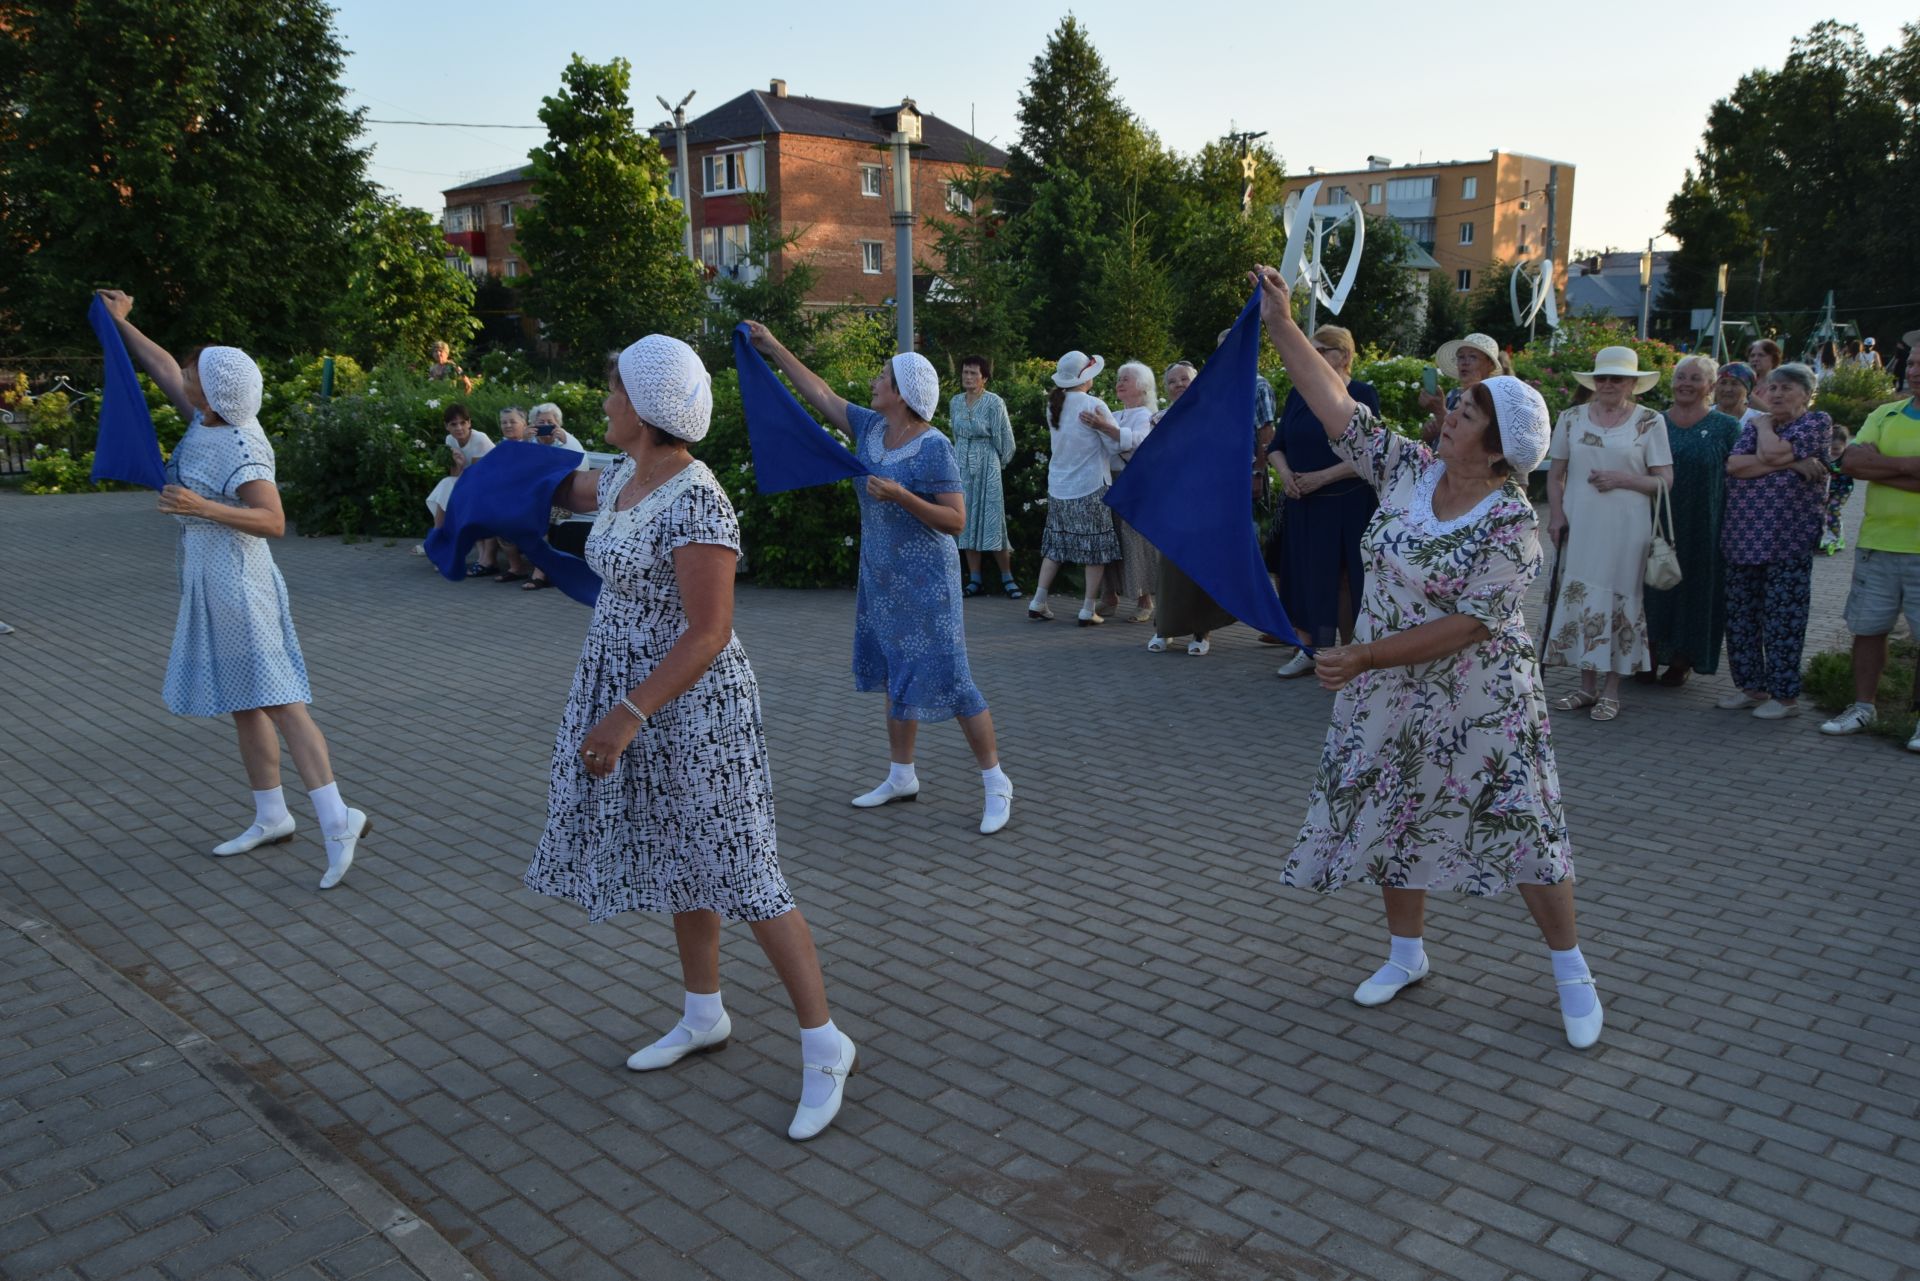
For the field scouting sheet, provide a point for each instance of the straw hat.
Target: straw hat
(1486, 346)
(1618, 362)
(1077, 367)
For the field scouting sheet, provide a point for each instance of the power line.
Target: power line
(448, 124)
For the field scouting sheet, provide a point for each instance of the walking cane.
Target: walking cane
(1913, 704)
(1553, 586)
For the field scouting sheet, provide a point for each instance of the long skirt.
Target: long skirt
(1080, 531)
(1181, 607)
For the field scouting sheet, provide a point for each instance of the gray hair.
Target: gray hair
(513, 411)
(1795, 372)
(547, 407)
(1144, 372)
(1707, 365)
(1179, 364)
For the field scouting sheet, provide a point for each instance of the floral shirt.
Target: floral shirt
(1778, 516)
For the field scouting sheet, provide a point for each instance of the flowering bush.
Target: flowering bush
(59, 471)
(1579, 342)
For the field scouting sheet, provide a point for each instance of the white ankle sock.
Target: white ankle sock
(1576, 998)
(701, 1011)
(818, 1045)
(329, 809)
(899, 775)
(1040, 598)
(269, 807)
(988, 777)
(1404, 957)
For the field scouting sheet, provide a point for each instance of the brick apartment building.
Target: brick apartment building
(822, 166)
(1469, 214)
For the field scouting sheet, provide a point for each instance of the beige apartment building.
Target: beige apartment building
(1469, 214)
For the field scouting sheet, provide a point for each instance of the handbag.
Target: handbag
(1663, 562)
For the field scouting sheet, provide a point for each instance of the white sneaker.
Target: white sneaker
(1739, 700)
(999, 808)
(1856, 718)
(661, 1055)
(1374, 992)
(1158, 645)
(1913, 744)
(1299, 665)
(256, 836)
(1199, 647)
(887, 791)
(809, 1121)
(1775, 710)
(340, 848)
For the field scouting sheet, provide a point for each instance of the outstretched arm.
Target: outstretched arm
(1325, 390)
(148, 354)
(813, 389)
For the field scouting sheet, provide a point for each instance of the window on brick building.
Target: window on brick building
(506, 213)
(958, 201)
(1466, 233)
(1463, 280)
(1469, 188)
(513, 266)
(1336, 195)
(873, 257)
(724, 248)
(1373, 193)
(871, 180)
(724, 172)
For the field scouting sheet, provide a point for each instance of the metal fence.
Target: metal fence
(45, 375)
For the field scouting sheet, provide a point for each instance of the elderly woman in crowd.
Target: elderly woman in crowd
(908, 634)
(234, 648)
(1080, 528)
(983, 439)
(1438, 770)
(1181, 607)
(1763, 356)
(1731, 387)
(562, 532)
(1327, 510)
(1471, 360)
(1133, 574)
(1772, 525)
(514, 426)
(1686, 623)
(660, 797)
(1610, 459)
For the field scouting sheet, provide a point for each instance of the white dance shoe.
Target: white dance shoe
(340, 848)
(662, 1055)
(1585, 1030)
(999, 808)
(256, 836)
(1377, 992)
(809, 1121)
(887, 791)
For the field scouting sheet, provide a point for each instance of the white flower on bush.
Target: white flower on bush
(40, 447)
(1026, 507)
(1039, 457)
(745, 467)
(433, 404)
(847, 541)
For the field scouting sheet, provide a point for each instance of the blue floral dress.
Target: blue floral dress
(907, 634)
(234, 648)
(983, 435)
(1439, 776)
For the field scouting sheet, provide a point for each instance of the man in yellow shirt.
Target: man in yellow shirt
(1886, 565)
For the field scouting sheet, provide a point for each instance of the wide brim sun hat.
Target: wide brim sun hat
(1486, 346)
(1618, 362)
(1076, 367)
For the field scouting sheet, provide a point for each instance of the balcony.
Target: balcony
(474, 242)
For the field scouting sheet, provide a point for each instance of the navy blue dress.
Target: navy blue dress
(1320, 534)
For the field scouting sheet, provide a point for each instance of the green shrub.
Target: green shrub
(59, 471)
(1829, 683)
(1851, 393)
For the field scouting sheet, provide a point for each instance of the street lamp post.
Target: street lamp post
(679, 115)
(1720, 316)
(1646, 287)
(906, 134)
(1760, 276)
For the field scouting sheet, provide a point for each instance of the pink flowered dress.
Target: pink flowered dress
(1439, 776)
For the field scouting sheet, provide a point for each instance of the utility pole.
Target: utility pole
(1553, 228)
(1242, 144)
(1760, 276)
(679, 115)
(906, 134)
(1646, 286)
(1720, 316)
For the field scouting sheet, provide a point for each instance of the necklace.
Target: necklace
(1625, 411)
(641, 491)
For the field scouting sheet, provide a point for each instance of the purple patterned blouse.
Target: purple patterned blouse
(1778, 516)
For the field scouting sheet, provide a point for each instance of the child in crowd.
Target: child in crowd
(467, 446)
(1839, 485)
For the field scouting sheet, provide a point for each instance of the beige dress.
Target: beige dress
(1600, 622)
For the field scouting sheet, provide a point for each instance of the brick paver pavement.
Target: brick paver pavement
(1103, 1043)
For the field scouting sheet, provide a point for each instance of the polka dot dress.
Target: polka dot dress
(233, 643)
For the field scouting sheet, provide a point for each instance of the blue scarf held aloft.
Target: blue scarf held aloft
(126, 448)
(790, 449)
(509, 493)
(1186, 488)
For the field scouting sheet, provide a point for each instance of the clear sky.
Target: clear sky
(1619, 89)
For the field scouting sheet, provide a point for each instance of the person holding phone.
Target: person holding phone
(545, 419)
(1472, 360)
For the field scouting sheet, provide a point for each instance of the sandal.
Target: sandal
(972, 588)
(509, 577)
(1575, 701)
(1605, 709)
(477, 570)
(1011, 589)
(535, 584)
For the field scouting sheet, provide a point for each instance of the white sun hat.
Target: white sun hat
(1619, 362)
(1486, 346)
(1077, 367)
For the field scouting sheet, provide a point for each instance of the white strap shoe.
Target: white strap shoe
(999, 808)
(1585, 1030)
(809, 1121)
(256, 836)
(662, 1055)
(887, 791)
(340, 848)
(1376, 992)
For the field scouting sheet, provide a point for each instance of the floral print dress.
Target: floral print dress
(1439, 776)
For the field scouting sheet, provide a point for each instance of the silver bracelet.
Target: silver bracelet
(638, 715)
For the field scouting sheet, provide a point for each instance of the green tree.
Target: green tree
(1447, 315)
(1133, 314)
(400, 294)
(977, 306)
(1490, 308)
(1384, 308)
(1070, 117)
(198, 156)
(604, 241)
(1218, 249)
(1057, 241)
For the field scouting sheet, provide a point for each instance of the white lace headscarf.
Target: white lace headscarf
(919, 383)
(668, 386)
(232, 384)
(1521, 414)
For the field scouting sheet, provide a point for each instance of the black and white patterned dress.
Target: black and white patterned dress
(685, 821)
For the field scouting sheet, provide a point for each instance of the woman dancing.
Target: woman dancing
(1438, 772)
(908, 635)
(661, 798)
(234, 650)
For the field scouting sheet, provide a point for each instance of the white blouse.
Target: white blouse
(1081, 461)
